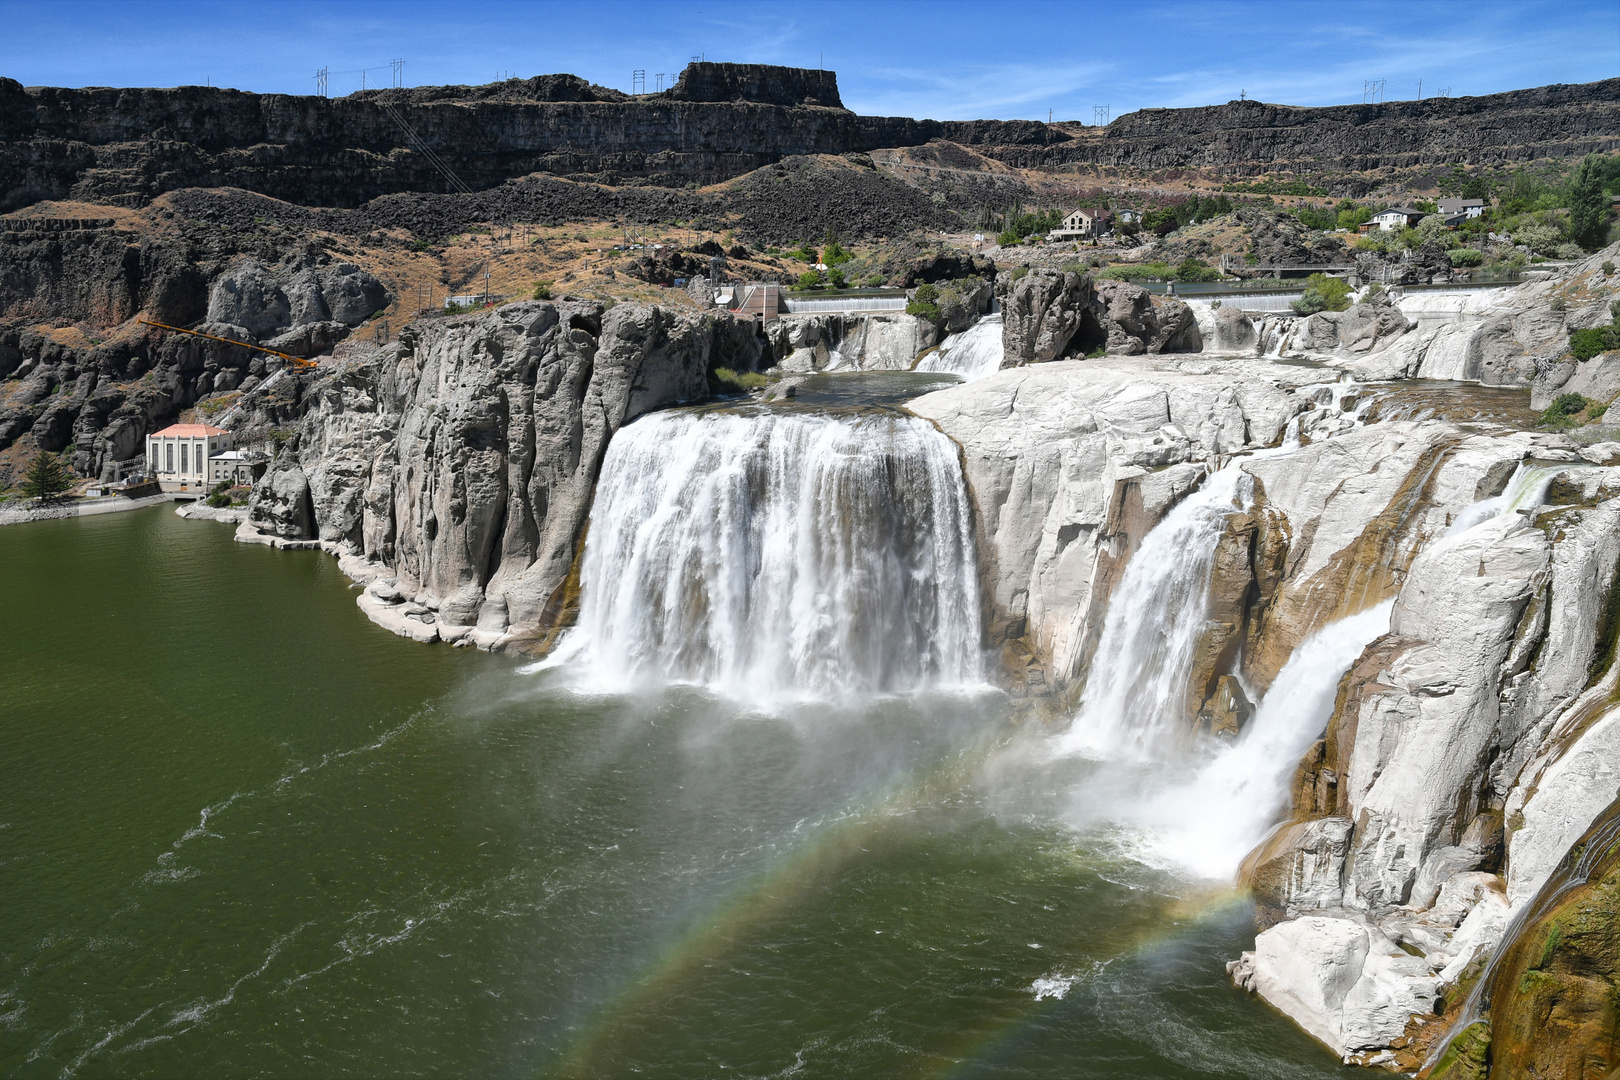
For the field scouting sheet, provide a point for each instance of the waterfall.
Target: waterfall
(972, 354)
(1136, 690)
(1526, 487)
(1209, 823)
(770, 553)
(797, 306)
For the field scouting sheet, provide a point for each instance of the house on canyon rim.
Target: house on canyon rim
(1084, 224)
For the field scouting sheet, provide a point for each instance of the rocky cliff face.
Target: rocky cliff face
(455, 469)
(1471, 746)
(1254, 137)
(125, 146)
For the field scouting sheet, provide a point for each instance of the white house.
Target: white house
(178, 455)
(1396, 217)
(1469, 208)
(1085, 223)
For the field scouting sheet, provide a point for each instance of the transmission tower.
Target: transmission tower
(638, 81)
(399, 71)
(320, 82)
(1099, 115)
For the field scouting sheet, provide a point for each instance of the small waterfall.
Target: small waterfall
(973, 354)
(1575, 870)
(1136, 691)
(1525, 488)
(1209, 823)
(854, 304)
(770, 553)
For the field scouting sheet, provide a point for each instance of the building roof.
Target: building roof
(188, 431)
(1404, 211)
(1099, 213)
(239, 455)
(1451, 206)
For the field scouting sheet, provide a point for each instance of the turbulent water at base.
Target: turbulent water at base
(767, 553)
(1198, 812)
(1208, 821)
(973, 354)
(1136, 688)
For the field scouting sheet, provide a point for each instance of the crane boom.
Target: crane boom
(298, 362)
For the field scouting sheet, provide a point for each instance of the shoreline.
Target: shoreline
(112, 505)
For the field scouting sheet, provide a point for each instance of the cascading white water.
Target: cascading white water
(1135, 692)
(1207, 823)
(1203, 818)
(769, 554)
(1526, 487)
(973, 354)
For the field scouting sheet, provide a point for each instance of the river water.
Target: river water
(244, 832)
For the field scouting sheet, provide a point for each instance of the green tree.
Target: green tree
(1476, 187)
(810, 279)
(1587, 217)
(47, 479)
(1323, 293)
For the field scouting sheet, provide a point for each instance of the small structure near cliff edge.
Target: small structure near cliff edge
(178, 455)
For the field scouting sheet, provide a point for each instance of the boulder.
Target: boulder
(1047, 314)
(1234, 330)
(280, 505)
(351, 294)
(309, 339)
(249, 296)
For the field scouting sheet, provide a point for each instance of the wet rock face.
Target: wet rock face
(462, 462)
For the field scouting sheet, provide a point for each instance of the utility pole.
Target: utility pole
(399, 71)
(320, 82)
(1420, 89)
(638, 81)
(1099, 115)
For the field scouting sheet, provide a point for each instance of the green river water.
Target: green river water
(243, 832)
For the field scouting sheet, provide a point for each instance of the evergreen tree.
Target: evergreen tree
(46, 479)
(1588, 220)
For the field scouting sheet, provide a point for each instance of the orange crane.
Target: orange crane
(299, 363)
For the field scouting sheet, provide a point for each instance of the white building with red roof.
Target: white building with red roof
(178, 455)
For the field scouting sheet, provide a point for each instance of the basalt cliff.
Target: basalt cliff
(126, 146)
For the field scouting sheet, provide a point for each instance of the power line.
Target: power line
(424, 149)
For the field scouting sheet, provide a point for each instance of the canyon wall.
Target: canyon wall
(125, 146)
(455, 469)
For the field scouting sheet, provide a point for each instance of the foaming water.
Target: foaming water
(774, 554)
(1134, 696)
(973, 354)
(1527, 487)
(1207, 822)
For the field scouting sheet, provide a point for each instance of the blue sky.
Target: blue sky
(948, 61)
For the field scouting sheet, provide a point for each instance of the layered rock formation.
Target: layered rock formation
(455, 469)
(720, 120)
(1471, 746)
(1256, 137)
